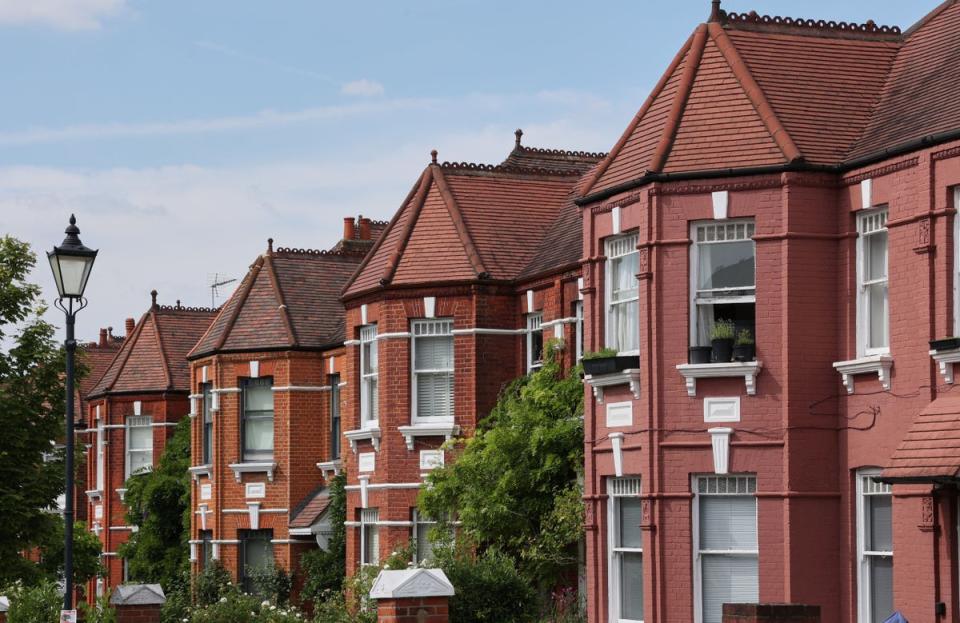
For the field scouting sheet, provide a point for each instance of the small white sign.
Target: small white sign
(256, 490)
(68, 616)
(98, 511)
(254, 369)
(721, 409)
(206, 492)
(619, 414)
(430, 459)
(367, 461)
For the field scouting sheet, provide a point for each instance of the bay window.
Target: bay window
(432, 356)
(207, 434)
(139, 444)
(625, 560)
(874, 548)
(622, 294)
(257, 429)
(369, 377)
(723, 278)
(369, 536)
(726, 566)
(873, 313)
(534, 341)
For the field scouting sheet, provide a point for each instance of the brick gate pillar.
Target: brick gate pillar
(770, 613)
(412, 596)
(138, 603)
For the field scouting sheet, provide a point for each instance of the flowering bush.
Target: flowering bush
(34, 604)
(239, 608)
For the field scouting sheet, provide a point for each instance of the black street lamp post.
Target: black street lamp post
(71, 263)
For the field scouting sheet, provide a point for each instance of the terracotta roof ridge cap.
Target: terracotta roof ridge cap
(755, 94)
(460, 223)
(335, 252)
(561, 152)
(601, 168)
(418, 199)
(284, 310)
(816, 26)
(672, 123)
(186, 308)
(506, 168)
(165, 363)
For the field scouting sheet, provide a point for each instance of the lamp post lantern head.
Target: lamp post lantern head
(71, 263)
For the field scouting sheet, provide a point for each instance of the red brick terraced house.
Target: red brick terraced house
(477, 270)
(267, 381)
(130, 414)
(794, 182)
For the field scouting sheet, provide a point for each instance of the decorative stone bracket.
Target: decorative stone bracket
(874, 364)
(945, 360)
(693, 371)
(626, 377)
(354, 436)
(265, 467)
(410, 433)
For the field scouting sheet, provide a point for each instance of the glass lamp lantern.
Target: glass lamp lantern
(71, 263)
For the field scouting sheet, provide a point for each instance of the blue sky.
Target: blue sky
(185, 133)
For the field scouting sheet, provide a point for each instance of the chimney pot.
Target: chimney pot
(364, 228)
(130, 324)
(349, 228)
(110, 332)
(103, 337)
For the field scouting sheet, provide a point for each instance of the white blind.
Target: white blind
(433, 367)
(369, 380)
(728, 523)
(726, 580)
(371, 536)
(139, 444)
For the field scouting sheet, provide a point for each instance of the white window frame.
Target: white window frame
(101, 456)
(718, 299)
(534, 325)
(866, 486)
(138, 421)
(616, 247)
(418, 520)
(369, 400)
(369, 519)
(578, 336)
(745, 484)
(433, 327)
(956, 262)
(617, 489)
(867, 224)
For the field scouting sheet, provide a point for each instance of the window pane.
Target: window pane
(371, 398)
(370, 358)
(536, 347)
(875, 247)
(207, 403)
(258, 434)
(141, 437)
(881, 597)
(140, 460)
(877, 300)
(880, 516)
(624, 277)
(726, 580)
(631, 586)
(728, 522)
(727, 265)
(257, 395)
(630, 516)
(424, 546)
(434, 353)
(435, 395)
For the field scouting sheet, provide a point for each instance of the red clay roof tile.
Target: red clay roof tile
(931, 448)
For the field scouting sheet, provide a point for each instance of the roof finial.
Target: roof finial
(715, 11)
(178, 303)
(519, 135)
(269, 246)
(153, 298)
(433, 156)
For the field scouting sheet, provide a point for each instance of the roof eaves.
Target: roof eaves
(458, 221)
(770, 120)
(605, 163)
(419, 199)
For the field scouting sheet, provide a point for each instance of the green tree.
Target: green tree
(515, 485)
(158, 503)
(86, 553)
(31, 417)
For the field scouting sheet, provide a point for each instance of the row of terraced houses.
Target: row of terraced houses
(793, 183)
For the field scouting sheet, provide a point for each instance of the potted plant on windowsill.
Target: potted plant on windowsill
(721, 339)
(948, 343)
(699, 354)
(607, 361)
(745, 347)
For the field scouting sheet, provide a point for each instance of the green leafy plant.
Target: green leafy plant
(271, 583)
(100, 612)
(213, 583)
(34, 604)
(744, 338)
(722, 330)
(324, 570)
(489, 587)
(603, 353)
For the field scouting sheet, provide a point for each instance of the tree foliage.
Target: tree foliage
(158, 503)
(325, 570)
(32, 408)
(514, 486)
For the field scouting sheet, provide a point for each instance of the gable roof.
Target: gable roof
(752, 92)
(153, 356)
(465, 222)
(97, 357)
(288, 300)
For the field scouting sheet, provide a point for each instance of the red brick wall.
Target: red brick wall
(138, 614)
(413, 610)
(801, 434)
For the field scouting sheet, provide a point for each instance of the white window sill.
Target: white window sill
(330, 467)
(629, 377)
(872, 364)
(258, 467)
(355, 436)
(440, 429)
(201, 470)
(748, 370)
(94, 494)
(945, 360)
(122, 493)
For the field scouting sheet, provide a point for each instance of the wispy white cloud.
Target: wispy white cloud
(262, 61)
(363, 88)
(60, 14)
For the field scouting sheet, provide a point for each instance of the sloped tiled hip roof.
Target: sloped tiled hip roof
(930, 450)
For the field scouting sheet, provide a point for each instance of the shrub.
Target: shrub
(272, 583)
(488, 587)
(34, 604)
(100, 612)
(212, 583)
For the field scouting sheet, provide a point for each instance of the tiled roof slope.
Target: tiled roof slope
(755, 91)
(463, 222)
(289, 299)
(920, 96)
(310, 508)
(153, 357)
(931, 448)
(97, 357)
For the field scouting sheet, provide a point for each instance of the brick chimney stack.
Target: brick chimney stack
(364, 228)
(103, 337)
(131, 323)
(349, 228)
